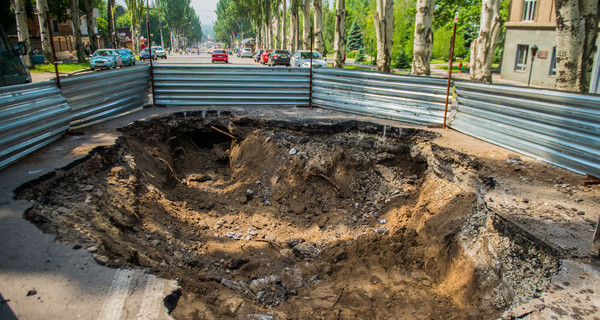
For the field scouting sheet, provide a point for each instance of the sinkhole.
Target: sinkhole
(294, 219)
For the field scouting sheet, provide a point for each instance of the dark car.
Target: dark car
(145, 54)
(12, 68)
(281, 57)
(258, 54)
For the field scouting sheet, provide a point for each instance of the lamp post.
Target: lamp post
(534, 50)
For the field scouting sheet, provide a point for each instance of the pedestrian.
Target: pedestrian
(460, 66)
(468, 68)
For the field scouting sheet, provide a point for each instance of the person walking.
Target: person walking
(460, 66)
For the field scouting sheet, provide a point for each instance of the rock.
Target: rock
(259, 317)
(271, 294)
(62, 210)
(249, 194)
(383, 230)
(268, 203)
(234, 285)
(294, 242)
(92, 249)
(306, 250)
(31, 292)
(298, 208)
(293, 151)
(235, 264)
(580, 213)
(234, 235)
(155, 243)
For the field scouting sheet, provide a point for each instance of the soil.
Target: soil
(260, 218)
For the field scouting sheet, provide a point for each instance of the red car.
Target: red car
(265, 56)
(220, 55)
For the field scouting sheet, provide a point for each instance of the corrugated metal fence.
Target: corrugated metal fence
(412, 99)
(194, 85)
(95, 97)
(31, 116)
(558, 127)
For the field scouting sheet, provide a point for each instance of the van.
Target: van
(12, 69)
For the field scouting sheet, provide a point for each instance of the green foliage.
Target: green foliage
(404, 28)
(355, 37)
(63, 67)
(403, 61)
(361, 55)
(351, 54)
(441, 44)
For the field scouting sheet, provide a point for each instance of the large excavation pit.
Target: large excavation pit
(308, 219)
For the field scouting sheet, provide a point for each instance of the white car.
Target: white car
(160, 52)
(246, 53)
(302, 59)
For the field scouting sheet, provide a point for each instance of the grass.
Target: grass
(438, 61)
(63, 67)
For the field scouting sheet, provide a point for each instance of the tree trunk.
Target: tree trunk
(77, 30)
(305, 24)
(423, 38)
(384, 28)
(110, 19)
(23, 30)
(576, 31)
(482, 49)
(339, 42)
(42, 7)
(284, 42)
(294, 26)
(278, 25)
(318, 9)
(89, 17)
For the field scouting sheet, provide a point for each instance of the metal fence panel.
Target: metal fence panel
(557, 127)
(31, 116)
(411, 99)
(102, 95)
(178, 85)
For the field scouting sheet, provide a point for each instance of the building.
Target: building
(529, 23)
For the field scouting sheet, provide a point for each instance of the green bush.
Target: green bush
(403, 60)
(360, 56)
(351, 54)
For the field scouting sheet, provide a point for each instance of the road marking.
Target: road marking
(113, 305)
(152, 306)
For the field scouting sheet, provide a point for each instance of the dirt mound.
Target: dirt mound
(265, 219)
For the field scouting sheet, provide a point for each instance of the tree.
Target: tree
(23, 29)
(355, 37)
(576, 31)
(318, 11)
(284, 42)
(361, 55)
(384, 28)
(294, 25)
(76, 27)
(423, 38)
(305, 24)
(111, 24)
(88, 8)
(339, 42)
(482, 49)
(42, 8)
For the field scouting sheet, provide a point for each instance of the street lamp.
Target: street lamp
(534, 50)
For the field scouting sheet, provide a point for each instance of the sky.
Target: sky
(205, 10)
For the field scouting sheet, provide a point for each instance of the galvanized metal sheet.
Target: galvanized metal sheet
(419, 100)
(31, 116)
(102, 95)
(195, 85)
(557, 127)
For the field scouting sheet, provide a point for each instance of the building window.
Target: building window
(521, 62)
(529, 10)
(55, 26)
(553, 62)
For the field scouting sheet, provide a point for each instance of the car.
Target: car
(106, 59)
(127, 56)
(246, 52)
(160, 52)
(145, 54)
(301, 58)
(258, 55)
(220, 55)
(12, 68)
(279, 57)
(265, 56)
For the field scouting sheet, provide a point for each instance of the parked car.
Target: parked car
(12, 69)
(127, 56)
(160, 52)
(265, 56)
(246, 52)
(220, 55)
(258, 54)
(106, 59)
(145, 54)
(301, 58)
(281, 57)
